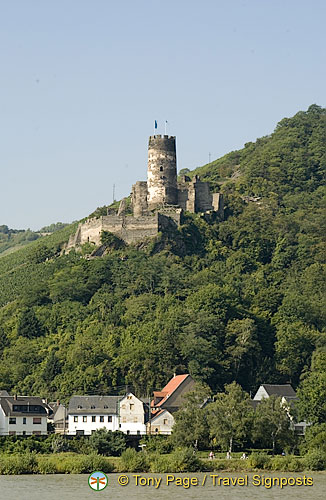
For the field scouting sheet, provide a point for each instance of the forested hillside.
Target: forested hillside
(14, 239)
(236, 300)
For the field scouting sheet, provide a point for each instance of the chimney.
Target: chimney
(15, 397)
(58, 402)
(174, 375)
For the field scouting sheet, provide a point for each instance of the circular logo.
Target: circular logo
(98, 481)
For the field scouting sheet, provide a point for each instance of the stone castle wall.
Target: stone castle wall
(139, 198)
(156, 204)
(128, 228)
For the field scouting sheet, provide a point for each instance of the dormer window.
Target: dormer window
(161, 169)
(105, 407)
(92, 407)
(79, 407)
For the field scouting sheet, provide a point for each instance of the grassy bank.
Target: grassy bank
(179, 461)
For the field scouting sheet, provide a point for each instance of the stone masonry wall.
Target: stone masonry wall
(128, 228)
(139, 198)
(161, 171)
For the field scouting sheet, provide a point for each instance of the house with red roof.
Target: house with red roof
(166, 402)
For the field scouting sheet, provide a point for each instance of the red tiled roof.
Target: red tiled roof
(169, 389)
(157, 412)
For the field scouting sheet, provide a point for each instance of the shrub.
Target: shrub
(288, 463)
(315, 460)
(18, 464)
(159, 443)
(259, 460)
(131, 461)
(73, 464)
(46, 465)
(184, 460)
(97, 462)
(227, 465)
(159, 463)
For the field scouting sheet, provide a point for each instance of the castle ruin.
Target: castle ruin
(156, 203)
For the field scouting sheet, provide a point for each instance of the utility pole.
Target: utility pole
(209, 157)
(113, 193)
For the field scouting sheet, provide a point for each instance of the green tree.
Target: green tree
(52, 368)
(190, 428)
(230, 416)
(242, 346)
(294, 347)
(28, 324)
(312, 390)
(272, 422)
(106, 442)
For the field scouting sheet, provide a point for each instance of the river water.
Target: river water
(71, 487)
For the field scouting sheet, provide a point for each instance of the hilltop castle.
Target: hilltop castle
(156, 203)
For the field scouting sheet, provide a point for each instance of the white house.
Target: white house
(161, 423)
(288, 395)
(22, 415)
(87, 414)
(132, 415)
(285, 391)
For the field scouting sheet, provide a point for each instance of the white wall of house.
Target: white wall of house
(132, 415)
(162, 424)
(3, 423)
(25, 425)
(260, 394)
(89, 423)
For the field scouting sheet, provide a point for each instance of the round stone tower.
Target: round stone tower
(161, 172)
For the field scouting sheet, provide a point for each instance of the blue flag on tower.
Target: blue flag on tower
(155, 126)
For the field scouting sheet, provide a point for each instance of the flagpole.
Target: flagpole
(165, 126)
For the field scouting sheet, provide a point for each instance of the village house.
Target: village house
(166, 402)
(133, 414)
(87, 414)
(289, 397)
(285, 391)
(58, 417)
(22, 415)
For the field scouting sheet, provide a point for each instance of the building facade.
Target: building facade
(132, 415)
(23, 416)
(87, 414)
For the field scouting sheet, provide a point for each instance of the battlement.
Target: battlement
(159, 136)
(128, 228)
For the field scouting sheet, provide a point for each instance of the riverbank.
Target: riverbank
(131, 461)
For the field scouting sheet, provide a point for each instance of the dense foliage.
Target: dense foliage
(239, 300)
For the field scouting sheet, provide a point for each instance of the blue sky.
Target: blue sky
(82, 82)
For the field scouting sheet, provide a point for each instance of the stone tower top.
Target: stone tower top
(161, 171)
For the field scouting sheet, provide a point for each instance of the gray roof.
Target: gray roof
(56, 408)
(7, 404)
(285, 390)
(3, 394)
(104, 405)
